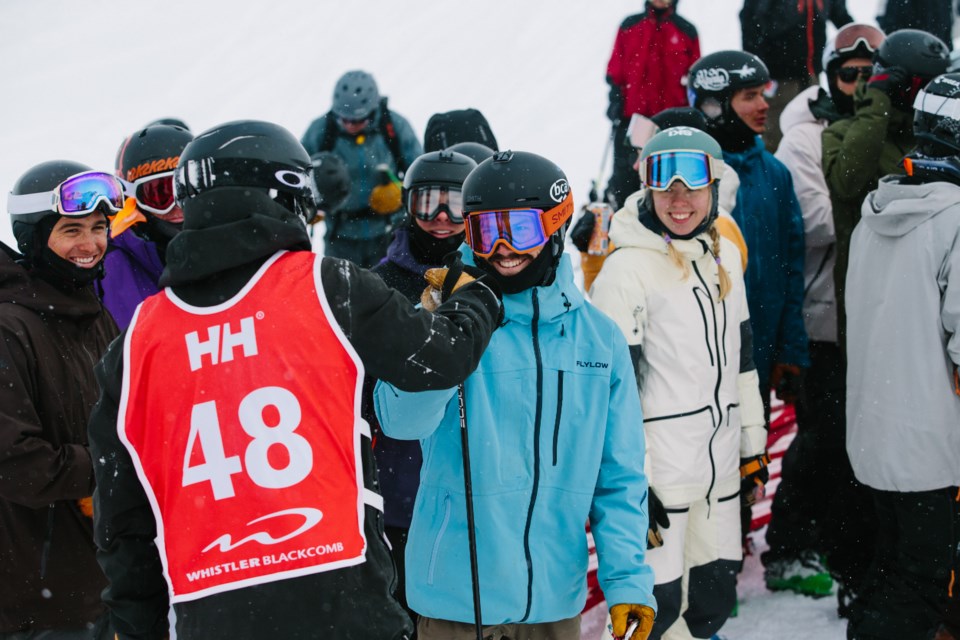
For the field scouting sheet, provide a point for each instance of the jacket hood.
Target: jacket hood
(798, 110)
(553, 300)
(19, 286)
(626, 230)
(895, 209)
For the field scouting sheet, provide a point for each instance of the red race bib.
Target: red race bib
(243, 421)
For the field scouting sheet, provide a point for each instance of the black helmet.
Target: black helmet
(355, 96)
(439, 168)
(473, 150)
(332, 179)
(263, 159)
(514, 180)
(921, 54)
(41, 178)
(715, 78)
(173, 122)
(936, 117)
(155, 149)
(855, 40)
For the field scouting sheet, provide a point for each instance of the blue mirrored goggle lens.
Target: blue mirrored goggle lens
(520, 229)
(692, 167)
(81, 194)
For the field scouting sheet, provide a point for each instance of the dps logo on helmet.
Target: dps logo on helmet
(559, 190)
(713, 79)
(679, 131)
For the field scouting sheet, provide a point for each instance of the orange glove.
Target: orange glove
(621, 615)
(86, 506)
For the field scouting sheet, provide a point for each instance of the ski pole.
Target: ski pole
(468, 493)
(603, 166)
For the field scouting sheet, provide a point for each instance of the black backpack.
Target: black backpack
(387, 130)
(463, 125)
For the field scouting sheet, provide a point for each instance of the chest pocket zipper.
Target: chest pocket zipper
(556, 424)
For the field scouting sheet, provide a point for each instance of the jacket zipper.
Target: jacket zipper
(535, 332)
(436, 543)
(718, 420)
(556, 425)
(48, 541)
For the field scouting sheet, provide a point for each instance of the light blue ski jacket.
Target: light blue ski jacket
(556, 438)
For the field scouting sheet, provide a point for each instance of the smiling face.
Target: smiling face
(752, 108)
(508, 263)
(681, 209)
(80, 241)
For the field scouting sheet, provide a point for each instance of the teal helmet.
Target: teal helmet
(680, 153)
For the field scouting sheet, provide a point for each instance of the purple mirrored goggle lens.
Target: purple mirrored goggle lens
(426, 203)
(82, 193)
(520, 229)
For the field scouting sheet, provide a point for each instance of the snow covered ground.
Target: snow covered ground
(80, 76)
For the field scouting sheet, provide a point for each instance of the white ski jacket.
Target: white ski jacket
(698, 384)
(903, 338)
(801, 150)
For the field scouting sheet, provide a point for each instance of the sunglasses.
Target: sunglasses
(850, 74)
(520, 230)
(354, 121)
(78, 195)
(153, 193)
(693, 168)
(426, 203)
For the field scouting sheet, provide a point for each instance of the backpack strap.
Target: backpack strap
(389, 132)
(329, 132)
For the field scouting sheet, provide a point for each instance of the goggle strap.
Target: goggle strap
(31, 203)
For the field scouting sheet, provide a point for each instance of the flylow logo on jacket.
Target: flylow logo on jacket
(586, 364)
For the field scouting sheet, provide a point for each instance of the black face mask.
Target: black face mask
(428, 249)
(158, 231)
(731, 131)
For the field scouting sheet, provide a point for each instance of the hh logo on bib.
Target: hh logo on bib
(246, 443)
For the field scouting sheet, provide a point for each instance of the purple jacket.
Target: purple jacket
(131, 271)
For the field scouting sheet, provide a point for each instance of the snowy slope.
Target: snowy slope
(80, 76)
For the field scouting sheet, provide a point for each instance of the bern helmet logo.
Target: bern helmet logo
(559, 190)
(714, 79)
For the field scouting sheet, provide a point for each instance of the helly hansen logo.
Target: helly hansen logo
(593, 365)
(220, 343)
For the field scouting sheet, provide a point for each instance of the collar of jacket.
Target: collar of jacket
(626, 231)
(18, 286)
(553, 301)
(738, 159)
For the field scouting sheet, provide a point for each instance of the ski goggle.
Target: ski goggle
(935, 167)
(695, 169)
(426, 203)
(850, 74)
(78, 195)
(520, 230)
(640, 130)
(852, 36)
(153, 193)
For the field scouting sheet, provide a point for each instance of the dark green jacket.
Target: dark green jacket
(857, 152)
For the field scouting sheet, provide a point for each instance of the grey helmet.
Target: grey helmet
(355, 96)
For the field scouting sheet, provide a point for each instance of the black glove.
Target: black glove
(455, 268)
(786, 380)
(615, 110)
(754, 474)
(658, 517)
(583, 230)
(892, 81)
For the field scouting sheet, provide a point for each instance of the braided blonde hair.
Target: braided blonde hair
(684, 265)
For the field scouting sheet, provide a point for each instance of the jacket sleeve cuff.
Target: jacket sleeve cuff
(753, 435)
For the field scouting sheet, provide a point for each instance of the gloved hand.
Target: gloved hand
(386, 197)
(786, 380)
(621, 615)
(443, 281)
(891, 81)
(86, 506)
(754, 474)
(583, 230)
(615, 109)
(657, 517)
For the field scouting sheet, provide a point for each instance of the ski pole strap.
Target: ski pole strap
(754, 465)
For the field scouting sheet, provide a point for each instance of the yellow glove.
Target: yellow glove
(621, 615)
(86, 506)
(435, 293)
(386, 197)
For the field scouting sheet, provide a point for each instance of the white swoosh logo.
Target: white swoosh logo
(310, 519)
